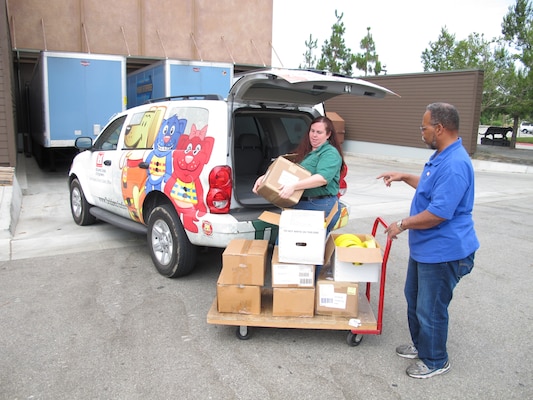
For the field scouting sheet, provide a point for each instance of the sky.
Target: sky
(401, 30)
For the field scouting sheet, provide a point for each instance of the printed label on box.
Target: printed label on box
(293, 275)
(328, 297)
(306, 278)
(286, 178)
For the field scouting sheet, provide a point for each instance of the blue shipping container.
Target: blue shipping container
(178, 78)
(75, 94)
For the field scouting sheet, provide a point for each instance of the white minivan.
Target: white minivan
(181, 170)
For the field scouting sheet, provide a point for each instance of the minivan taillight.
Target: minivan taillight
(343, 186)
(219, 193)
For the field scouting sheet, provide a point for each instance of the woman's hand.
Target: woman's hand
(286, 191)
(258, 182)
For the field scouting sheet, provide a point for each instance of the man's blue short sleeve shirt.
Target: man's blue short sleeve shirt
(445, 189)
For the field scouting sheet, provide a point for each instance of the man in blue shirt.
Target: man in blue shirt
(442, 239)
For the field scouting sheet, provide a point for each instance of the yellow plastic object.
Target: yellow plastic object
(351, 240)
(370, 244)
(348, 240)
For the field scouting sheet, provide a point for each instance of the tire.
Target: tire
(354, 339)
(79, 206)
(243, 333)
(172, 253)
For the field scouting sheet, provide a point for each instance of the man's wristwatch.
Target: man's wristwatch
(399, 225)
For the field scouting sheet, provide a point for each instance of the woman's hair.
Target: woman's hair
(305, 148)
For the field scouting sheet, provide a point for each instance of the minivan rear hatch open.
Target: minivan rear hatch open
(272, 110)
(298, 87)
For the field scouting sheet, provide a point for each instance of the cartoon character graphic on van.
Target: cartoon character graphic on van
(132, 184)
(184, 187)
(143, 128)
(159, 161)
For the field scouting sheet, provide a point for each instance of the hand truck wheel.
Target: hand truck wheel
(354, 339)
(243, 333)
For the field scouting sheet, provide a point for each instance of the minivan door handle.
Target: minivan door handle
(107, 162)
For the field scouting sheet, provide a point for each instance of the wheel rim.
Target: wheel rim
(162, 243)
(75, 198)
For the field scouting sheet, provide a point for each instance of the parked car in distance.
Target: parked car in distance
(526, 127)
(181, 170)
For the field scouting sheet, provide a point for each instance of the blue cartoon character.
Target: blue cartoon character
(159, 161)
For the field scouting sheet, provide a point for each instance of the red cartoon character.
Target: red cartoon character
(184, 187)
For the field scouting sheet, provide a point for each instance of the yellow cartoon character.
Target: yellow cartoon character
(143, 128)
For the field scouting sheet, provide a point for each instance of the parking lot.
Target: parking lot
(86, 315)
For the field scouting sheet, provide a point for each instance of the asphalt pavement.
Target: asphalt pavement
(85, 315)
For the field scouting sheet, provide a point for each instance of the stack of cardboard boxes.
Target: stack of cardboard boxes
(293, 288)
(338, 286)
(302, 249)
(242, 276)
(293, 264)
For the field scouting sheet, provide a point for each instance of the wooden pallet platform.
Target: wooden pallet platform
(266, 320)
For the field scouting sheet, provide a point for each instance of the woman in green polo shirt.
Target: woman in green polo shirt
(320, 153)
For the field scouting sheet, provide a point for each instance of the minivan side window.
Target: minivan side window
(108, 139)
(295, 128)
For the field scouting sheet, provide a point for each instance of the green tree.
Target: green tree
(439, 56)
(309, 57)
(496, 83)
(447, 53)
(506, 61)
(475, 52)
(368, 61)
(336, 57)
(517, 30)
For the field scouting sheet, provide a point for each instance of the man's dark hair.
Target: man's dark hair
(444, 114)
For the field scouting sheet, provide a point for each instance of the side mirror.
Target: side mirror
(83, 143)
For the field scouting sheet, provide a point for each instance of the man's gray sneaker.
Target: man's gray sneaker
(407, 351)
(420, 370)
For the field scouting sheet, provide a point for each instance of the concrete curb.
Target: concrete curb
(10, 206)
(483, 165)
(479, 165)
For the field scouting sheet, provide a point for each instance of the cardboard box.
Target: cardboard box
(355, 264)
(291, 275)
(302, 235)
(293, 302)
(244, 263)
(338, 124)
(282, 172)
(336, 298)
(239, 299)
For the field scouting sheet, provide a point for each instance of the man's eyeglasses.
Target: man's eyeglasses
(423, 128)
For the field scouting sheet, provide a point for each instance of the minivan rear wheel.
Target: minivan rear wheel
(172, 253)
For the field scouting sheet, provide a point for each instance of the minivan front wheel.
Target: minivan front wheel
(172, 253)
(79, 206)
